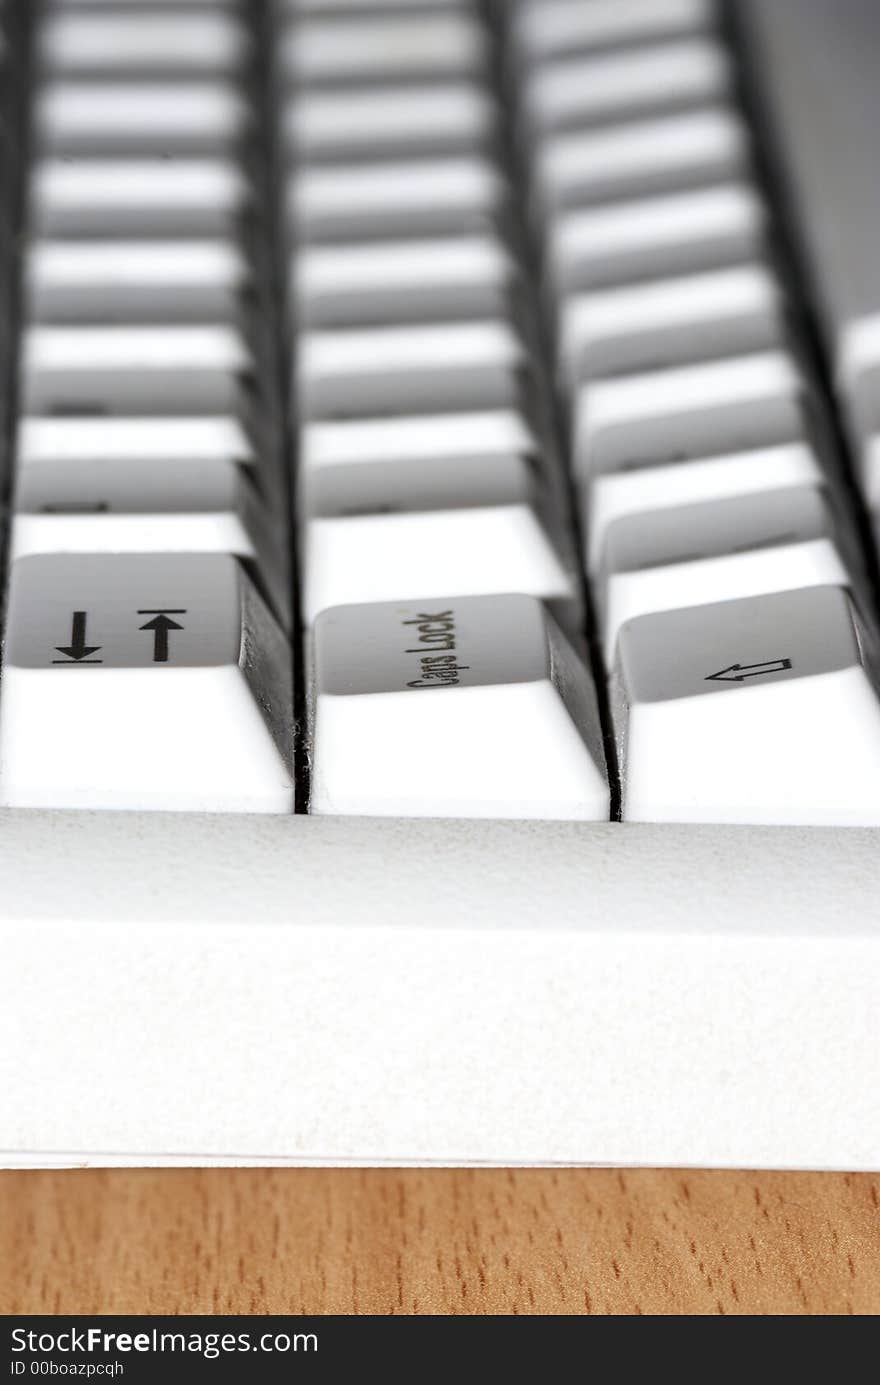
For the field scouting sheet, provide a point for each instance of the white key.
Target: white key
(394, 281)
(637, 158)
(388, 120)
(134, 281)
(144, 681)
(342, 50)
(127, 370)
(545, 27)
(656, 236)
(408, 369)
(406, 198)
(723, 406)
(756, 711)
(363, 465)
(484, 550)
(634, 82)
(121, 506)
(151, 440)
(515, 734)
(136, 117)
(719, 550)
(667, 322)
(170, 196)
(167, 42)
(617, 494)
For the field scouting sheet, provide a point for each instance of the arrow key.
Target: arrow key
(761, 710)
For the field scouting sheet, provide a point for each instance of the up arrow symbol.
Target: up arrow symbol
(160, 625)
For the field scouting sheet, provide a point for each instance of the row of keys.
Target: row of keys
(426, 467)
(716, 534)
(514, 734)
(434, 552)
(149, 541)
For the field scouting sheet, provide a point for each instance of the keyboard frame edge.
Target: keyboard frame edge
(221, 989)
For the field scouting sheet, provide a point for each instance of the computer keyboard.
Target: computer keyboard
(356, 351)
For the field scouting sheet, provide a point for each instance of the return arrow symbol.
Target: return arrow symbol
(737, 673)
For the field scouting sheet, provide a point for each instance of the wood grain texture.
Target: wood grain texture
(438, 1241)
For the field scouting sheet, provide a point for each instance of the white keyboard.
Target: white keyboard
(357, 352)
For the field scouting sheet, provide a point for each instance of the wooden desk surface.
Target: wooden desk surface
(422, 1241)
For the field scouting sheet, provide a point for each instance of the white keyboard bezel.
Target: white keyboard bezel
(222, 989)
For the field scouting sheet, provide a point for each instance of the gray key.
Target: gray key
(136, 281)
(126, 117)
(737, 645)
(754, 711)
(409, 369)
(443, 483)
(415, 197)
(680, 233)
(697, 410)
(388, 121)
(445, 280)
(206, 593)
(135, 370)
(738, 524)
(140, 197)
(669, 322)
(515, 734)
(144, 681)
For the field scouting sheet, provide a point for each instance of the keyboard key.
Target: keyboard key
(144, 681)
(126, 370)
(411, 369)
(546, 27)
(375, 47)
(419, 462)
(169, 42)
(570, 91)
(763, 710)
(139, 117)
(398, 281)
(135, 281)
(719, 550)
(417, 484)
(637, 158)
(654, 237)
(407, 198)
(617, 494)
(387, 121)
(516, 733)
(152, 440)
(482, 550)
(667, 322)
(137, 197)
(120, 506)
(723, 406)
